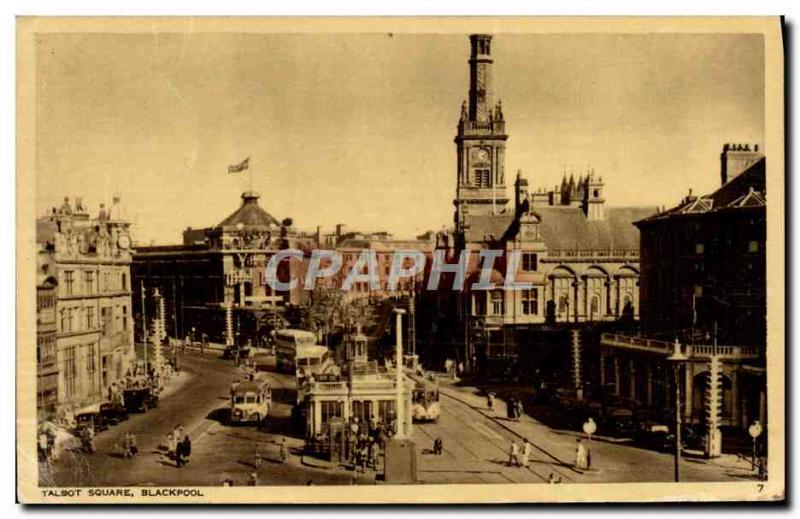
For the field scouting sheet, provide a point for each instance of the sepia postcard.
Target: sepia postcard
(400, 260)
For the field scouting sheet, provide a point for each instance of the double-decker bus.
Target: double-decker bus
(286, 343)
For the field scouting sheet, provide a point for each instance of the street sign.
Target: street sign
(755, 429)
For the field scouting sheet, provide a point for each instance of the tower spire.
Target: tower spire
(480, 77)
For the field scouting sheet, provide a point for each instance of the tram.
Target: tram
(425, 402)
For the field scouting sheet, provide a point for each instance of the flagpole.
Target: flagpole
(250, 172)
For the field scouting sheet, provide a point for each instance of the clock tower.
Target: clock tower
(480, 140)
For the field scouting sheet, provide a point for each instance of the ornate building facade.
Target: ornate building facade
(580, 257)
(87, 262)
(220, 267)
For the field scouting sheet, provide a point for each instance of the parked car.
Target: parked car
(230, 352)
(620, 421)
(91, 420)
(139, 399)
(654, 435)
(113, 413)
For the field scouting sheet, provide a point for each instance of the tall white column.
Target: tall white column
(401, 408)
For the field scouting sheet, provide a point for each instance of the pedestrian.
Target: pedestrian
(438, 446)
(372, 454)
(490, 401)
(187, 449)
(513, 454)
(179, 455)
(520, 410)
(134, 448)
(552, 479)
(258, 459)
(283, 454)
(511, 409)
(204, 344)
(581, 455)
(43, 454)
(461, 368)
(527, 449)
(236, 357)
(126, 446)
(253, 482)
(364, 454)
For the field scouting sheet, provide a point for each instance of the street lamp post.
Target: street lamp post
(755, 431)
(676, 359)
(589, 427)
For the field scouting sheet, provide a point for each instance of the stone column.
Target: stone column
(616, 376)
(735, 403)
(632, 379)
(603, 370)
(649, 369)
(317, 407)
(585, 292)
(687, 396)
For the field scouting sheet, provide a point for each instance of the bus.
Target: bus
(251, 402)
(286, 343)
(312, 360)
(425, 402)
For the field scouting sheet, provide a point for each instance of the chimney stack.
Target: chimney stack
(736, 158)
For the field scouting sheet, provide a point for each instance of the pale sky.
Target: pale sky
(358, 129)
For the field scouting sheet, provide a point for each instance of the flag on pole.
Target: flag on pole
(238, 168)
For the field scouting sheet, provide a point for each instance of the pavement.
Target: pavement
(613, 460)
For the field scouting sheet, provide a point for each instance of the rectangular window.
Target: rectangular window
(124, 281)
(479, 303)
(63, 320)
(498, 303)
(105, 317)
(69, 371)
(69, 282)
(90, 361)
(330, 410)
(362, 409)
(386, 410)
(529, 262)
(89, 317)
(71, 319)
(124, 317)
(89, 279)
(530, 301)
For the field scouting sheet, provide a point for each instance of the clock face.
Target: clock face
(124, 242)
(480, 156)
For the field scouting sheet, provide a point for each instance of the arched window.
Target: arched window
(594, 307)
(562, 305)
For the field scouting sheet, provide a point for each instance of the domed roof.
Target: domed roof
(250, 214)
